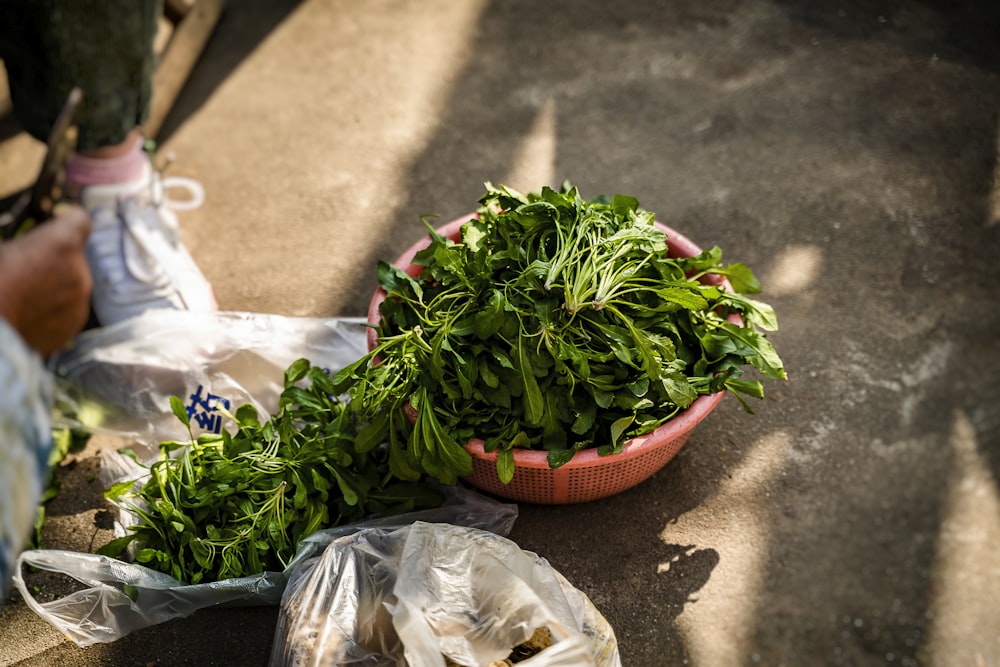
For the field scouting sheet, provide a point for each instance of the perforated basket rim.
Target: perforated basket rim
(683, 422)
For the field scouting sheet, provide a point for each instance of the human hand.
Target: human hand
(45, 282)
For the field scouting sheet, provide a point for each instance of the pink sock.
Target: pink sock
(82, 170)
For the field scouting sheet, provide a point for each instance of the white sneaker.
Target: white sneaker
(135, 252)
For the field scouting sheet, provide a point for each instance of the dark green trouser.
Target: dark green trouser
(103, 46)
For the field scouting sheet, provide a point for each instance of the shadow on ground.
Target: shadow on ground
(792, 135)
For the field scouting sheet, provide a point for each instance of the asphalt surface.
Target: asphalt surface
(847, 151)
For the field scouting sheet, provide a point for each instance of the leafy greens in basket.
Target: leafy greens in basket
(553, 323)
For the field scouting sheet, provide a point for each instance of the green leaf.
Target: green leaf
(62, 440)
(488, 376)
(116, 547)
(520, 441)
(402, 466)
(177, 406)
(203, 553)
(752, 388)
(704, 261)
(755, 312)
(301, 496)
(585, 418)
(761, 314)
(743, 402)
(373, 433)
(164, 507)
(502, 358)
(296, 372)
(247, 415)
(679, 389)
(448, 450)
(320, 381)
(38, 524)
(131, 592)
(297, 396)
(343, 378)
(275, 534)
(148, 555)
(618, 428)
(534, 402)
(119, 490)
(393, 280)
(685, 298)
(349, 493)
(560, 457)
(622, 352)
(742, 279)
(489, 320)
(719, 343)
(320, 483)
(766, 359)
(622, 205)
(505, 465)
(473, 234)
(639, 387)
(647, 354)
(603, 397)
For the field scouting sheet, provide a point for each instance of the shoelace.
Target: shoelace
(159, 188)
(195, 191)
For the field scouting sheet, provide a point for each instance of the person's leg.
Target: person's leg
(103, 46)
(106, 48)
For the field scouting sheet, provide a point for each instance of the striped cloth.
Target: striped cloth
(25, 444)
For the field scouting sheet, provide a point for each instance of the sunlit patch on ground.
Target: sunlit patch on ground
(794, 270)
(736, 522)
(964, 616)
(535, 161)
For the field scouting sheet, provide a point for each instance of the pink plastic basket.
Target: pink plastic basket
(588, 476)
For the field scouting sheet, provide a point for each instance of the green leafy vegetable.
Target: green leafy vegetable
(552, 323)
(235, 504)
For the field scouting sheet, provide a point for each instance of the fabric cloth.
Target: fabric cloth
(83, 170)
(25, 443)
(103, 46)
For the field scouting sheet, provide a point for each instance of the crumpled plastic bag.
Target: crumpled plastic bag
(416, 595)
(119, 597)
(119, 379)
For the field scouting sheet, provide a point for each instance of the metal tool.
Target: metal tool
(35, 206)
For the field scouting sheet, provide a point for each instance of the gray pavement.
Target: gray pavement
(847, 151)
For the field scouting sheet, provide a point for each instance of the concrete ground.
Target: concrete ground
(847, 151)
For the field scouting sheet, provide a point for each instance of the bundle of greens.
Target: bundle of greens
(551, 323)
(229, 505)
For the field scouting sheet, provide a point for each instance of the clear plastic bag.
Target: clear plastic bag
(412, 596)
(119, 379)
(120, 597)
